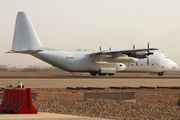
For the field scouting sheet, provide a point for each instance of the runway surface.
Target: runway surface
(73, 82)
(44, 116)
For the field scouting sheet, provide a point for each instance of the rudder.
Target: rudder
(25, 37)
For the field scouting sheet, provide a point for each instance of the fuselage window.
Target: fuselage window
(71, 58)
(67, 57)
(166, 56)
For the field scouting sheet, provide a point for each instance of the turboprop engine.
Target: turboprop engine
(141, 55)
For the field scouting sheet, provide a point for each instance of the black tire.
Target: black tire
(110, 74)
(93, 73)
(102, 74)
(160, 74)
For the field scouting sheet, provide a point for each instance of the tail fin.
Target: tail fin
(25, 37)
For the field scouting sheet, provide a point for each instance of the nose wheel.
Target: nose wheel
(160, 73)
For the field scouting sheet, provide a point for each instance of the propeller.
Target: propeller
(147, 60)
(149, 53)
(143, 54)
(133, 46)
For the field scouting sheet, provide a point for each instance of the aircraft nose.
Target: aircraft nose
(173, 65)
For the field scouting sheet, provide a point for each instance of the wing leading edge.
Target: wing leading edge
(126, 52)
(122, 56)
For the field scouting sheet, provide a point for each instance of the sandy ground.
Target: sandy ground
(150, 103)
(63, 93)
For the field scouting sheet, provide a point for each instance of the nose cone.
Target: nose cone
(173, 65)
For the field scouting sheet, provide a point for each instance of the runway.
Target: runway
(87, 82)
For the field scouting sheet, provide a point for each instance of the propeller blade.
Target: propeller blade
(147, 60)
(109, 48)
(149, 53)
(133, 46)
(148, 47)
(100, 48)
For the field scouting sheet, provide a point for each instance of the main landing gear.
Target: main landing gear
(101, 74)
(110, 74)
(93, 73)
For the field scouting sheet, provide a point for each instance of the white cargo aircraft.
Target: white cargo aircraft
(100, 62)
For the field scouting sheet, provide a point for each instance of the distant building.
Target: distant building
(13, 68)
(29, 70)
(3, 66)
(10, 66)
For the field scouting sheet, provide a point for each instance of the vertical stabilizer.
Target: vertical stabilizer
(25, 37)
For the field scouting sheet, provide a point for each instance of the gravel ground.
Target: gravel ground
(150, 104)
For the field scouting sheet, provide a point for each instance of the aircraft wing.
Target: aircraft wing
(110, 52)
(25, 51)
(119, 54)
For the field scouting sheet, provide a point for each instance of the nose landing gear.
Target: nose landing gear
(160, 73)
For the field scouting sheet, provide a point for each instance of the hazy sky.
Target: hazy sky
(87, 24)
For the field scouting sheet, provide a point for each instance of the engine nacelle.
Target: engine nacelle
(139, 55)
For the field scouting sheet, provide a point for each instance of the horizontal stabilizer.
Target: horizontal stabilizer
(25, 51)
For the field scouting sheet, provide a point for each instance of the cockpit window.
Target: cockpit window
(166, 56)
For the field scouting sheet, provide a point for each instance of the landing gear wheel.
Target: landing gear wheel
(102, 74)
(93, 73)
(110, 74)
(160, 74)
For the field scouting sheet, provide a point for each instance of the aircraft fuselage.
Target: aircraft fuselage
(81, 61)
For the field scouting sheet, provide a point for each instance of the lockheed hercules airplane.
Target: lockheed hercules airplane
(26, 41)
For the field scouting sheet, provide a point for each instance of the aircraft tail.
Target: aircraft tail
(25, 37)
